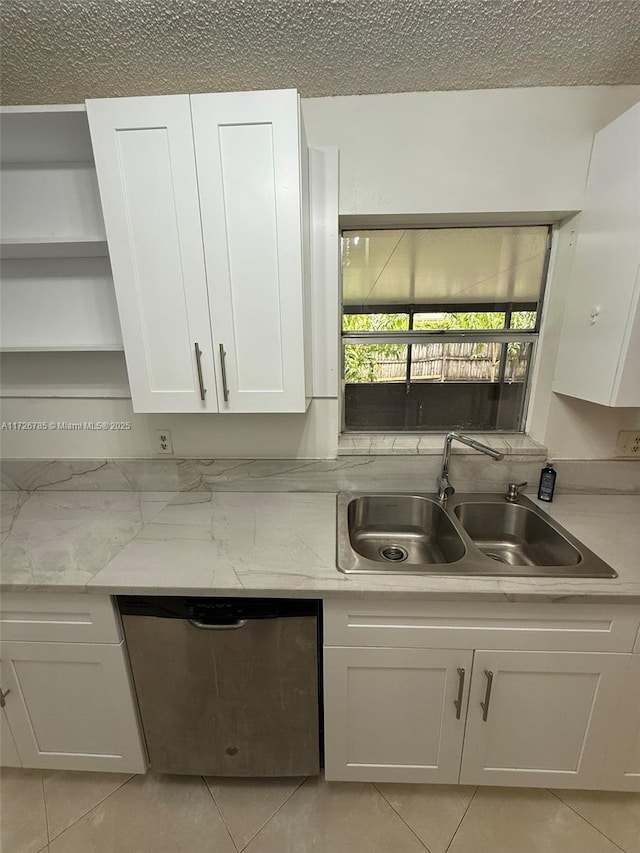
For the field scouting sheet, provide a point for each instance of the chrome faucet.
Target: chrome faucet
(444, 486)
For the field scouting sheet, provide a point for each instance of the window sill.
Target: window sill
(431, 444)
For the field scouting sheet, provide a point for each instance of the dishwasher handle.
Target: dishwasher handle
(225, 626)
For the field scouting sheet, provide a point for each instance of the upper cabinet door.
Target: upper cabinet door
(251, 160)
(144, 157)
(599, 355)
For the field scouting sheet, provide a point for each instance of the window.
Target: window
(440, 325)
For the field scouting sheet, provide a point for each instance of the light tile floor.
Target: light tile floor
(64, 812)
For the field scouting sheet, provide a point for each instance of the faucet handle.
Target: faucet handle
(445, 489)
(513, 492)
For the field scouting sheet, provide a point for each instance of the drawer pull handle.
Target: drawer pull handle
(203, 390)
(458, 702)
(223, 368)
(3, 693)
(487, 696)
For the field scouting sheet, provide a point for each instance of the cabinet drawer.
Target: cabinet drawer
(59, 618)
(559, 627)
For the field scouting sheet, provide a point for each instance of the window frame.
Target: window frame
(418, 336)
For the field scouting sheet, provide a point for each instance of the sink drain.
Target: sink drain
(496, 557)
(394, 553)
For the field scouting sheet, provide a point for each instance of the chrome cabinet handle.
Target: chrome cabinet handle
(223, 367)
(458, 702)
(203, 390)
(487, 696)
(230, 626)
(3, 693)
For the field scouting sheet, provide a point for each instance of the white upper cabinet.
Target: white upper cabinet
(599, 356)
(203, 199)
(143, 149)
(249, 173)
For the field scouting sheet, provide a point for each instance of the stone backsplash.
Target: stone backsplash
(469, 472)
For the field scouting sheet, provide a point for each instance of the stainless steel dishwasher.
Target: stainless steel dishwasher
(226, 686)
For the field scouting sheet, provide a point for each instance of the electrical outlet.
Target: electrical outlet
(164, 444)
(628, 443)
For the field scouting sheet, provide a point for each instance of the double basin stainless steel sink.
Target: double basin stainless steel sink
(473, 534)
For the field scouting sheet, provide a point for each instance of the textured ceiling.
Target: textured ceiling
(57, 51)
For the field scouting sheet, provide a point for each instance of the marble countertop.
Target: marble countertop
(265, 543)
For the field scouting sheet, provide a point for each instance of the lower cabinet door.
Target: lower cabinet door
(541, 718)
(8, 751)
(622, 770)
(395, 715)
(71, 706)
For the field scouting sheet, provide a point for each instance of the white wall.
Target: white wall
(434, 155)
(442, 155)
(501, 150)
(577, 429)
(311, 435)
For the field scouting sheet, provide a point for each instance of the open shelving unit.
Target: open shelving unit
(64, 374)
(56, 287)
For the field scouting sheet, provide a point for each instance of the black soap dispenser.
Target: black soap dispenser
(547, 483)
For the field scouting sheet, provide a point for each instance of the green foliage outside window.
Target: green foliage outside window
(362, 361)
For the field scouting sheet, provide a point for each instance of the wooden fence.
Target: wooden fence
(456, 362)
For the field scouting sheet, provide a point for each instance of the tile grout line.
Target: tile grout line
(269, 819)
(409, 827)
(582, 817)
(95, 806)
(219, 810)
(462, 819)
(46, 812)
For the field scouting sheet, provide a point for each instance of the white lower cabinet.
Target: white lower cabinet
(67, 705)
(622, 771)
(395, 715)
(539, 718)
(8, 750)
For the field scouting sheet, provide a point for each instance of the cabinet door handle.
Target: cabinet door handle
(223, 367)
(3, 693)
(203, 390)
(487, 695)
(458, 702)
